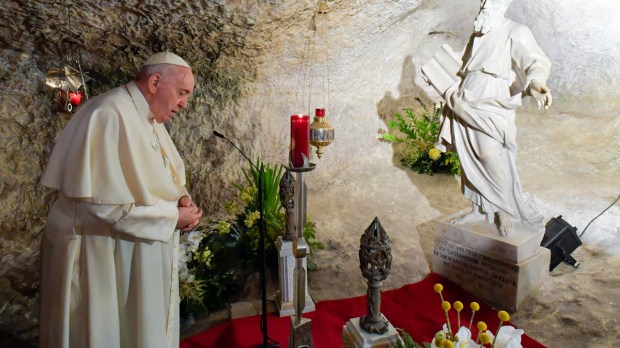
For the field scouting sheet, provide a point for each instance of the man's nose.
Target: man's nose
(183, 103)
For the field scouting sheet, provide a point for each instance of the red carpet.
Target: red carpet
(416, 308)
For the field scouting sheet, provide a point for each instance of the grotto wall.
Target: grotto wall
(247, 58)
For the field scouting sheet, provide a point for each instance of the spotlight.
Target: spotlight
(561, 238)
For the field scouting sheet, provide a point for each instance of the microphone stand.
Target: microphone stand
(262, 227)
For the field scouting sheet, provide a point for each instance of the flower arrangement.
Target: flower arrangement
(419, 132)
(505, 336)
(216, 258)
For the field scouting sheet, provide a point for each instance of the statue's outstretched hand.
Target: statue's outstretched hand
(541, 93)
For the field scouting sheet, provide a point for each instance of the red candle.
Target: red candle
(300, 139)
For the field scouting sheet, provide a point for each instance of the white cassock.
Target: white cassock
(497, 68)
(109, 250)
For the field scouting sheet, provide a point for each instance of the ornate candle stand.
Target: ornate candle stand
(285, 299)
(373, 330)
(287, 199)
(375, 263)
(301, 330)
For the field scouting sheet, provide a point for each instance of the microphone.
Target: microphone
(262, 231)
(220, 135)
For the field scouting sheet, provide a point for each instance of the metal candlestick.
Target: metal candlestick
(301, 330)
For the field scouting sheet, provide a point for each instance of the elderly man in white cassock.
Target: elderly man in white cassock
(109, 250)
(501, 64)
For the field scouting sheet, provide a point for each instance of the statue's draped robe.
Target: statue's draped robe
(497, 68)
(109, 250)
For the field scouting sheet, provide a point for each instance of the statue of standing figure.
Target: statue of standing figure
(501, 64)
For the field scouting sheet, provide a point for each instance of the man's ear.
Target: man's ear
(153, 83)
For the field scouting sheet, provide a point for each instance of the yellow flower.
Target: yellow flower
(434, 153)
(223, 227)
(458, 305)
(482, 326)
(445, 305)
(204, 257)
(248, 194)
(503, 315)
(251, 218)
(485, 338)
(474, 306)
(231, 208)
(438, 287)
(447, 344)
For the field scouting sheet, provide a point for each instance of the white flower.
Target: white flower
(185, 257)
(183, 273)
(463, 334)
(193, 248)
(465, 340)
(184, 254)
(190, 278)
(508, 337)
(195, 237)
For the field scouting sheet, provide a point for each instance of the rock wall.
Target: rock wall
(248, 58)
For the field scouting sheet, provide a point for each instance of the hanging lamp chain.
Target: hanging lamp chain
(309, 59)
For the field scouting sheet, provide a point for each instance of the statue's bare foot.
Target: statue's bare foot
(505, 226)
(471, 217)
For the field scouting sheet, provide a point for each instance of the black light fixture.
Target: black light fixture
(561, 238)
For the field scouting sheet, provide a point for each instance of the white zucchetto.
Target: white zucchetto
(166, 58)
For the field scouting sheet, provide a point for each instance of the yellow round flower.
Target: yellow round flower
(485, 338)
(474, 306)
(434, 153)
(438, 287)
(447, 344)
(458, 305)
(445, 305)
(503, 315)
(482, 326)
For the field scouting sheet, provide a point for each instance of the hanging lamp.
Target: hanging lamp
(68, 83)
(317, 54)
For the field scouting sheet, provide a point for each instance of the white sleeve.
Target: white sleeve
(152, 222)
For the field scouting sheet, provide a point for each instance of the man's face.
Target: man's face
(174, 88)
(491, 11)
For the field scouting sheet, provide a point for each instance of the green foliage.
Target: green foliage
(271, 200)
(407, 341)
(310, 238)
(217, 257)
(418, 133)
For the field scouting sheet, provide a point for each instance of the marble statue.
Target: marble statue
(501, 64)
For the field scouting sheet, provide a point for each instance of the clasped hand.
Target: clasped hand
(189, 214)
(541, 93)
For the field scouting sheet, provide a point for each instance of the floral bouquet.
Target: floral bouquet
(216, 258)
(506, 336)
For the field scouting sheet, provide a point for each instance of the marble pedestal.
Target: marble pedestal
(353, 336)
(501, 270)
(286, 267)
